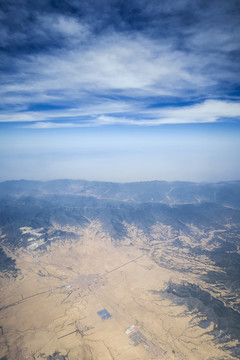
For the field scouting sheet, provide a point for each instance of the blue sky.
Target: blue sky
(120, 90)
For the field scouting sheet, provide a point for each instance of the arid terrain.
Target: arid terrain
(83, 289)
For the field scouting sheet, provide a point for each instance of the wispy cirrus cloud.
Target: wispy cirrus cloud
(135, 57)
(130, 65)
(86, 67)
(206, 112)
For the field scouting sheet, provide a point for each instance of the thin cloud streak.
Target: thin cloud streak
(207, 112)
(134, 67)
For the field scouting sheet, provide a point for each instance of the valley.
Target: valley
(117, 280)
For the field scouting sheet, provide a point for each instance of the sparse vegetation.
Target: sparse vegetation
(173, 270)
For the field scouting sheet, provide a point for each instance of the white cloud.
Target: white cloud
(59, 24)
(207, 112)
(114, 67)
(131, 65)
(83, 112)
(54, 125)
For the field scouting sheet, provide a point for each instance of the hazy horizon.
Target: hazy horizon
(122, 182)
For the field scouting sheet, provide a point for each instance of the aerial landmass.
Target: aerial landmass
(109, 271)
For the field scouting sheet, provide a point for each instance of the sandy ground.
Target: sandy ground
(52, 305)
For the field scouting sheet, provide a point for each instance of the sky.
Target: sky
(117, 90)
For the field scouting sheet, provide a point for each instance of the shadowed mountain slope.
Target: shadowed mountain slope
(225, 193)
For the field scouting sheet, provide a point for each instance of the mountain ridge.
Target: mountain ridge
(226, 193)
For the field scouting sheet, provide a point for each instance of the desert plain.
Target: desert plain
(49, 310)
